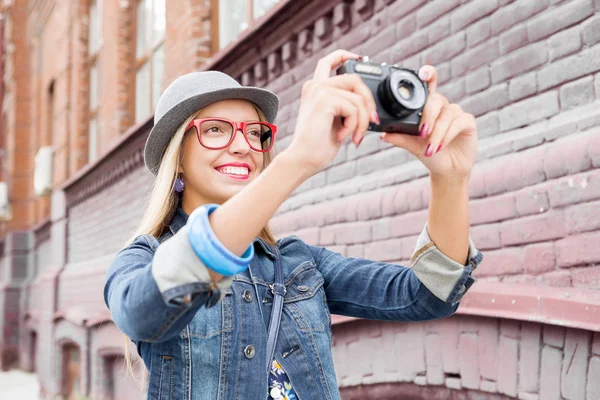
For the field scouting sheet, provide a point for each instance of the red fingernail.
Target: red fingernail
(424, 130)
(428, 151)
(438, 149)
(375, 118)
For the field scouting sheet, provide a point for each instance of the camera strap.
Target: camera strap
(278, 290)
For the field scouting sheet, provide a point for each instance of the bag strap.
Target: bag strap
(278, 290)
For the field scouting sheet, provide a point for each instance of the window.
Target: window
(71, 378)
(235, 16)
(150, 35)
(94, 46)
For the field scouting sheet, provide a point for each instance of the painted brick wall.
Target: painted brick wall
(485, 356)
(117, 210)
(528, 71)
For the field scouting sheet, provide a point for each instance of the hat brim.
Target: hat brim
(167, 125)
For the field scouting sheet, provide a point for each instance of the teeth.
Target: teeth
(235, 170)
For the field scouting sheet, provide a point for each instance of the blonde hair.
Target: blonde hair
(163, 200)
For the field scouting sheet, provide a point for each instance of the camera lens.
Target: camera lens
(405, 90)
(402, 92)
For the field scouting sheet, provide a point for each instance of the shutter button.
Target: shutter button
(249, 351)
(247, 296)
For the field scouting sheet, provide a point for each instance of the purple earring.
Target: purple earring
(179, 185)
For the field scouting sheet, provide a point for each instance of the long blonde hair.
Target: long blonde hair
(163, 200)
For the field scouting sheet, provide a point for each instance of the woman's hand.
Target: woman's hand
(448, 141)
(325, 101)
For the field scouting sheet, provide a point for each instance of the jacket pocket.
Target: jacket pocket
(165, 388)
(305, 298)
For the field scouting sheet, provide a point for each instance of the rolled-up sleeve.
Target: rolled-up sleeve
(154, 289)
(447, 279)
(180, 275)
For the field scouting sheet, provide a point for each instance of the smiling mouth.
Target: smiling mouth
(235, 172)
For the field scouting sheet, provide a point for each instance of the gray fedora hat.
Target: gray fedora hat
(189, 93)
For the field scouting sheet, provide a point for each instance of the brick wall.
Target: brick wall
(188, 40)
(47, 83)
(535, 186)
(116, 209)
(18, 160)
(486, 357)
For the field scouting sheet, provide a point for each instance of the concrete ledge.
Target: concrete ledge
(570, 307)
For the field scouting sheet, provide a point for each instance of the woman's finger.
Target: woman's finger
(362, 114)
(345, 108)
(428, 73)
(354, 83)
(464, 123)
(412, 144)
(442, 123)
(331, 62)
(433, 107)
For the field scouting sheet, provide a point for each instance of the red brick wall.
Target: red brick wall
(18, 160)
(188, 41)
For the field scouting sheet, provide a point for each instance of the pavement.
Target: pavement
(19, 385)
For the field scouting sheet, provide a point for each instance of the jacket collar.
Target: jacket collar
(180, 219)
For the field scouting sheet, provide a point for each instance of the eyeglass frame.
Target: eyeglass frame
(237, 126)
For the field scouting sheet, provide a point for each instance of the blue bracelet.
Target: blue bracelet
(210, 249)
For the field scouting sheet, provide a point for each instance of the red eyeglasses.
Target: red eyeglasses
(218, 133)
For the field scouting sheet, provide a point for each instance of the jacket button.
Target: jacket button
(247, 296)
(303, 288)
(249, 351)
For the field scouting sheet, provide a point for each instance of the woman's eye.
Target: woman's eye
(253, 132)
(213, 129)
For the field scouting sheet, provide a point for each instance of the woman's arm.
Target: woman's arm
(448, 222)
(447, 146)
(362, 288)
(138, 306)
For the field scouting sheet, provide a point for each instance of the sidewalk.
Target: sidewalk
(18, 385)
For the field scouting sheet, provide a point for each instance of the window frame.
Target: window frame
(250, 20)
(93, 60)
(146, 58)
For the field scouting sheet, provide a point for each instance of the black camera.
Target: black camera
(399, 93)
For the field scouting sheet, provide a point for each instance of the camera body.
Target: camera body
(399, 93)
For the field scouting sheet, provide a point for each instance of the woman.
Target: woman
(218, 308)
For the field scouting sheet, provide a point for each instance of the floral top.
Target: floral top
(280, 387)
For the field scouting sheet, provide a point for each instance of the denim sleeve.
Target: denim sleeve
(445, 278)
(137, 305)
(180, 274)
(376, 290)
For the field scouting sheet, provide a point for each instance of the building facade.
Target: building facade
(81, 78)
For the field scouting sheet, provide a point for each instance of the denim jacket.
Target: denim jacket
(196, 346)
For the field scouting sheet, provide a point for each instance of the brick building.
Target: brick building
(81, 78)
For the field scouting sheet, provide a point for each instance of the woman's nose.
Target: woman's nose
(239, 144)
